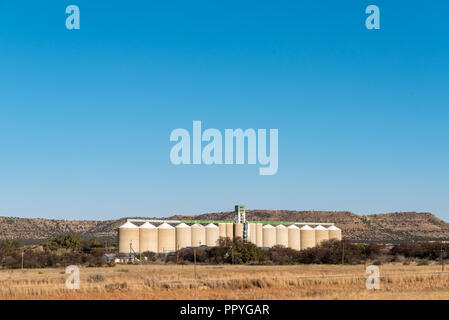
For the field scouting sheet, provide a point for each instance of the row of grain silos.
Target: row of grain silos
(298, 238)
(166, 238)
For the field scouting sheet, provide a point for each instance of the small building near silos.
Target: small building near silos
(294, 238)
(269, 236)
(321, 234)
(183, 236)
(334, 233)
(307, 235)
(128, 238)
(212, 235)
(198, 235)
(148, 238)
(281, 235)
(166, 238)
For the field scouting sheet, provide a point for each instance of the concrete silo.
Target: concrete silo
(222, 230)
(252, 233)
(269, 236)
(128, 235)
(281, 235)
(198, 235)
(307, 235)
(212, 233)
(334, 232)
(294, 238)
(148, 237)
(230, 231)
(183, 236)
(238, 231)
(321, 234)
(166, 238)
(259, 232)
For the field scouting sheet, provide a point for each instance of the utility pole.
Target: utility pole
(194, 261)
(23, 252)
(343, 253)
(364, 251)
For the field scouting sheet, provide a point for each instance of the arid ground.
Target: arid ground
(398, 281)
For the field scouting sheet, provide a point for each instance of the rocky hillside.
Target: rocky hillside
(377, 227)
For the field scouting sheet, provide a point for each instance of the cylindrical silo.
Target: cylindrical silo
(183, 236)
(212, 233)
(222, 230)
(281, 235)
(128, 235)
(259, 237)
(334, 232)
(307, 235)
(238, 231)
(166, 238)
(148, 237)
(269, 236)
(230, 231)
(294, 238)
(252, 233)
(198, 235)
(321, 234)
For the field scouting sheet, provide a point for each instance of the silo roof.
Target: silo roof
(147, 225)
(197, 225)
(128, 225)
(320, 227)
(165, 225)
(333, 228)
(211, 225)
(268, 226)
(281, 226)
(306, 227)
(182, 225)
(293, 227)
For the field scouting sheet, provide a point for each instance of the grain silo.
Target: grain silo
(128, 235)
(222, 230)
(166, 238)
(252, 233)
(259, 237)
(321, 234)
(238, 231)
(198, 235)
(148, 237)
(212, 234)
(334, 233)
(269, 236)
(307, 235)
(294, 238)
(230, 231)
(281, 235)
(183, 236)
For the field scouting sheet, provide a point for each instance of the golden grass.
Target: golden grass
(228, 282)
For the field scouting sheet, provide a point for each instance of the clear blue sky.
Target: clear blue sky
(363, 116)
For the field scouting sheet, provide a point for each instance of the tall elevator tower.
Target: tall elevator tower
(240, 217)
(240, 214)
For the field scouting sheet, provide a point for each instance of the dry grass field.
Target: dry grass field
(228, 282)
